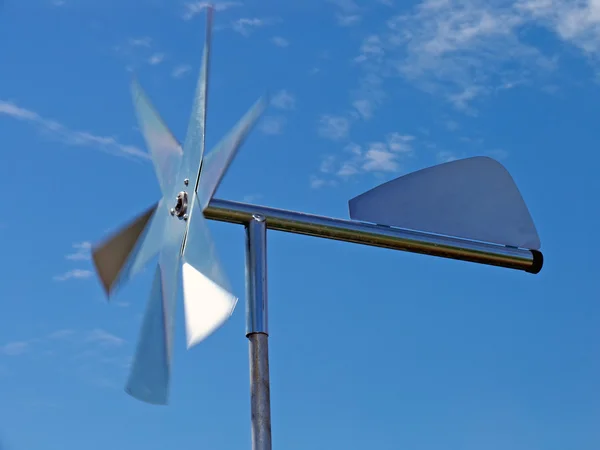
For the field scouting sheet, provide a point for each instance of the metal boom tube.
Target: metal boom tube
(377, 235)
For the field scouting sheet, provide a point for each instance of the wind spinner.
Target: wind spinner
(468, 210)
(176, 230)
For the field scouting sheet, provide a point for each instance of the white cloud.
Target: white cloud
(465, 49)
(317, 182)
(245, 26)
(82, 251)
(194, 8)
(252, 198)
(61, 334)
(272, 125)
(14, 348)
(283, 100)
(74, 274)
(180, 70)
(445, 156)
(334, 128)
(370, 93)
(497, 153)
(68, 136)
(348, 12)
(280, 42)
(141, 42)
(364, 108)
(104, 338)
(576, 22)
(156, 58)
(451, 125)
(348, 20)
(376, 157)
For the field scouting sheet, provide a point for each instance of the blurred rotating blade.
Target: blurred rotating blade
(207, 299)
(151, 367)
(127, 251)
(193, 148)
(217, 162)
(164, 148)
(149, 375)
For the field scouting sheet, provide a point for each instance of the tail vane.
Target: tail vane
(473, 198)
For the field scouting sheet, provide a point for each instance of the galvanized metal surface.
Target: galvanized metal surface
(257, 331)
(377, 235)
(256, 276)
(260, 391)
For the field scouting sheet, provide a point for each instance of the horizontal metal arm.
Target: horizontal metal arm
(377, 235)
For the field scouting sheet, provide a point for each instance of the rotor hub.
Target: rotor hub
(181, 205)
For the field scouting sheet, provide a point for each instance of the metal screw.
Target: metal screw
(185, 217)
(186, 181)
(172, 211)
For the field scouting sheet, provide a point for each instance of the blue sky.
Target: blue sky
(370, 348)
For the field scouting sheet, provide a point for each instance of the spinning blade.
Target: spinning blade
(174, 233)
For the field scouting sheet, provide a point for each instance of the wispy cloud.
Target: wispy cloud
(86, 355)
(272, 125)
(445, 156)
(280, 42)
(104, 338)
(347, 12)
(576, 22)
(61, 334)
(180, 70)
(81, 253)
(194, 8)
(348, 20)
(245, 25)
(74, 274)
(140, 42)
(15, 348)
(283, 100)
(156, 59)
(467, 49)
(369, 94)
(380, 157)
(67, 136)
(333, 127)
(252, 198)
(316, 182)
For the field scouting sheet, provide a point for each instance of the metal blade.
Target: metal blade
(124, 253)
(149, 378)
(217, 162)
(150, 369)
(472, 198)
(165, 150)
(207, 297)
(193, 148)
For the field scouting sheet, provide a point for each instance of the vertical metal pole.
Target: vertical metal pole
(257, 331)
